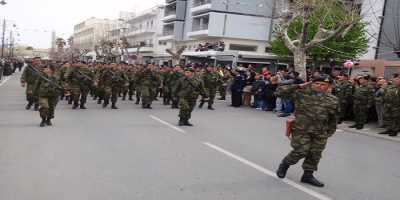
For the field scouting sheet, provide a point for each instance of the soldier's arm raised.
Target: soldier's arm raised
(288, 91)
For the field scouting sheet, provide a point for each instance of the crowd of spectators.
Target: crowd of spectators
(9, 66)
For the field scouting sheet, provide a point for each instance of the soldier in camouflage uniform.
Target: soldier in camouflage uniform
(188, 89)
(131, 82)
(61, 74)
(224, 77)
(80, 80)
(112, 79)
(315, 121)
(211, 81)
(28, 80)
(175, 76)
(138, 71)
(125, 88)
(98, 85)
(149, 82)
(363, 99)
(343, 90)
(166, 79)
(48, 94)
(392, 107)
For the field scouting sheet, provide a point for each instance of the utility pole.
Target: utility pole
(10, 44)
(3, 37)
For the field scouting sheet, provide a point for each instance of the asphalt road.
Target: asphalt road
(130, 153)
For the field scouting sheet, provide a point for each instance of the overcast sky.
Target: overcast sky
(35, 19)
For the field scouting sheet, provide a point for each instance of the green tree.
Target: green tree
(318, 30)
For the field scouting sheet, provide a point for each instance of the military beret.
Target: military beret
(190, 69)
(322, 78)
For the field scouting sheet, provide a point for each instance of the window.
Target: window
(241, 47)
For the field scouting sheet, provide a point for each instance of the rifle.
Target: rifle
(40, 75)
(195, 88)
(86, 77)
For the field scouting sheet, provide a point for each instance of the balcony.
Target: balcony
(172, 31)
(145, 31)
(175, 11)
(200, 6)
(200, 26)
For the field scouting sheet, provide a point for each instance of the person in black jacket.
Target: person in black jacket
(237, 86)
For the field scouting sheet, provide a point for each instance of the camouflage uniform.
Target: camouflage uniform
(392, 109)
(166, 79)
(173, 82)
(48, 97)
(29, 78)
(149, 82)
(210, 81)
(188, 90)
(343, 91)
(316, 116)
(80, 81)
(363, 99)
(112, 81)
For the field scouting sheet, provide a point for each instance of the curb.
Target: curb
(375, 135)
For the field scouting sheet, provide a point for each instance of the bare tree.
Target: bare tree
(176, 56)
(302, 11)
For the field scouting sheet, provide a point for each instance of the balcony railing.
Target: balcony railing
(197, 3)
(200, 27)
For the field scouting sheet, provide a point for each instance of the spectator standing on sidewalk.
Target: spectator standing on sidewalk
(379, 102)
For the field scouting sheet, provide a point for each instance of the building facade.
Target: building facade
(220, 31)
(89, 32)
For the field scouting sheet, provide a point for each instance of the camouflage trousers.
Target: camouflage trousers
(360, 113)
(30, 97)
(391, 118)
(211, 93)
(47, 107)
(343, 105)
(308, 146)
(186, 107)
(79, 94)
(111, 93)
(222, 91)
(148, 95)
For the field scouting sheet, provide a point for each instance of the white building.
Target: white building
(143, 32)
(89, 32)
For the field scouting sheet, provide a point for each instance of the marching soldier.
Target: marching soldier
(225, 77)
(48, 91)
(176, 75)
(149, 82)
(80, 80)
(315, 121)
(188, 89)
(112, 80)
(28, 80)
(166, 78)
(136, 80)
(210, 80)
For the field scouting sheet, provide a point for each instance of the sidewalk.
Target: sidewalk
(370, 129)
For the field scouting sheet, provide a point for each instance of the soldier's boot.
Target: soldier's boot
(340, 121)
(359, 126)
(187, 123)
(222, 98)
(94, 97)
(210, 107)
(70, 100)
(149, 106)
(124, 97)
(76, 105)
(393, 134)
(43, 123)
(28, 107)
(201, 104)
(181, 122)
(384, 132)
(353, 126)
(309, 178)
(36, 108)
(82, 106)
(113, 106)
(282, 170)
(130, 98)
(137, 101)
(48, 122)
(105, 104)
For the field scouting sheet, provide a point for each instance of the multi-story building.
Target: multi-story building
(89, 32)
(143, 32)
(235, 31)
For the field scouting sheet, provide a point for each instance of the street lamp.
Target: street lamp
(3, 2)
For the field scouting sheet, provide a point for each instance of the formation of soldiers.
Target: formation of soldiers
(361, 94)
(107, 83)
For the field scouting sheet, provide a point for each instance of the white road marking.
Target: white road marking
(5, 80)
(268, 172)
(167, 124)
